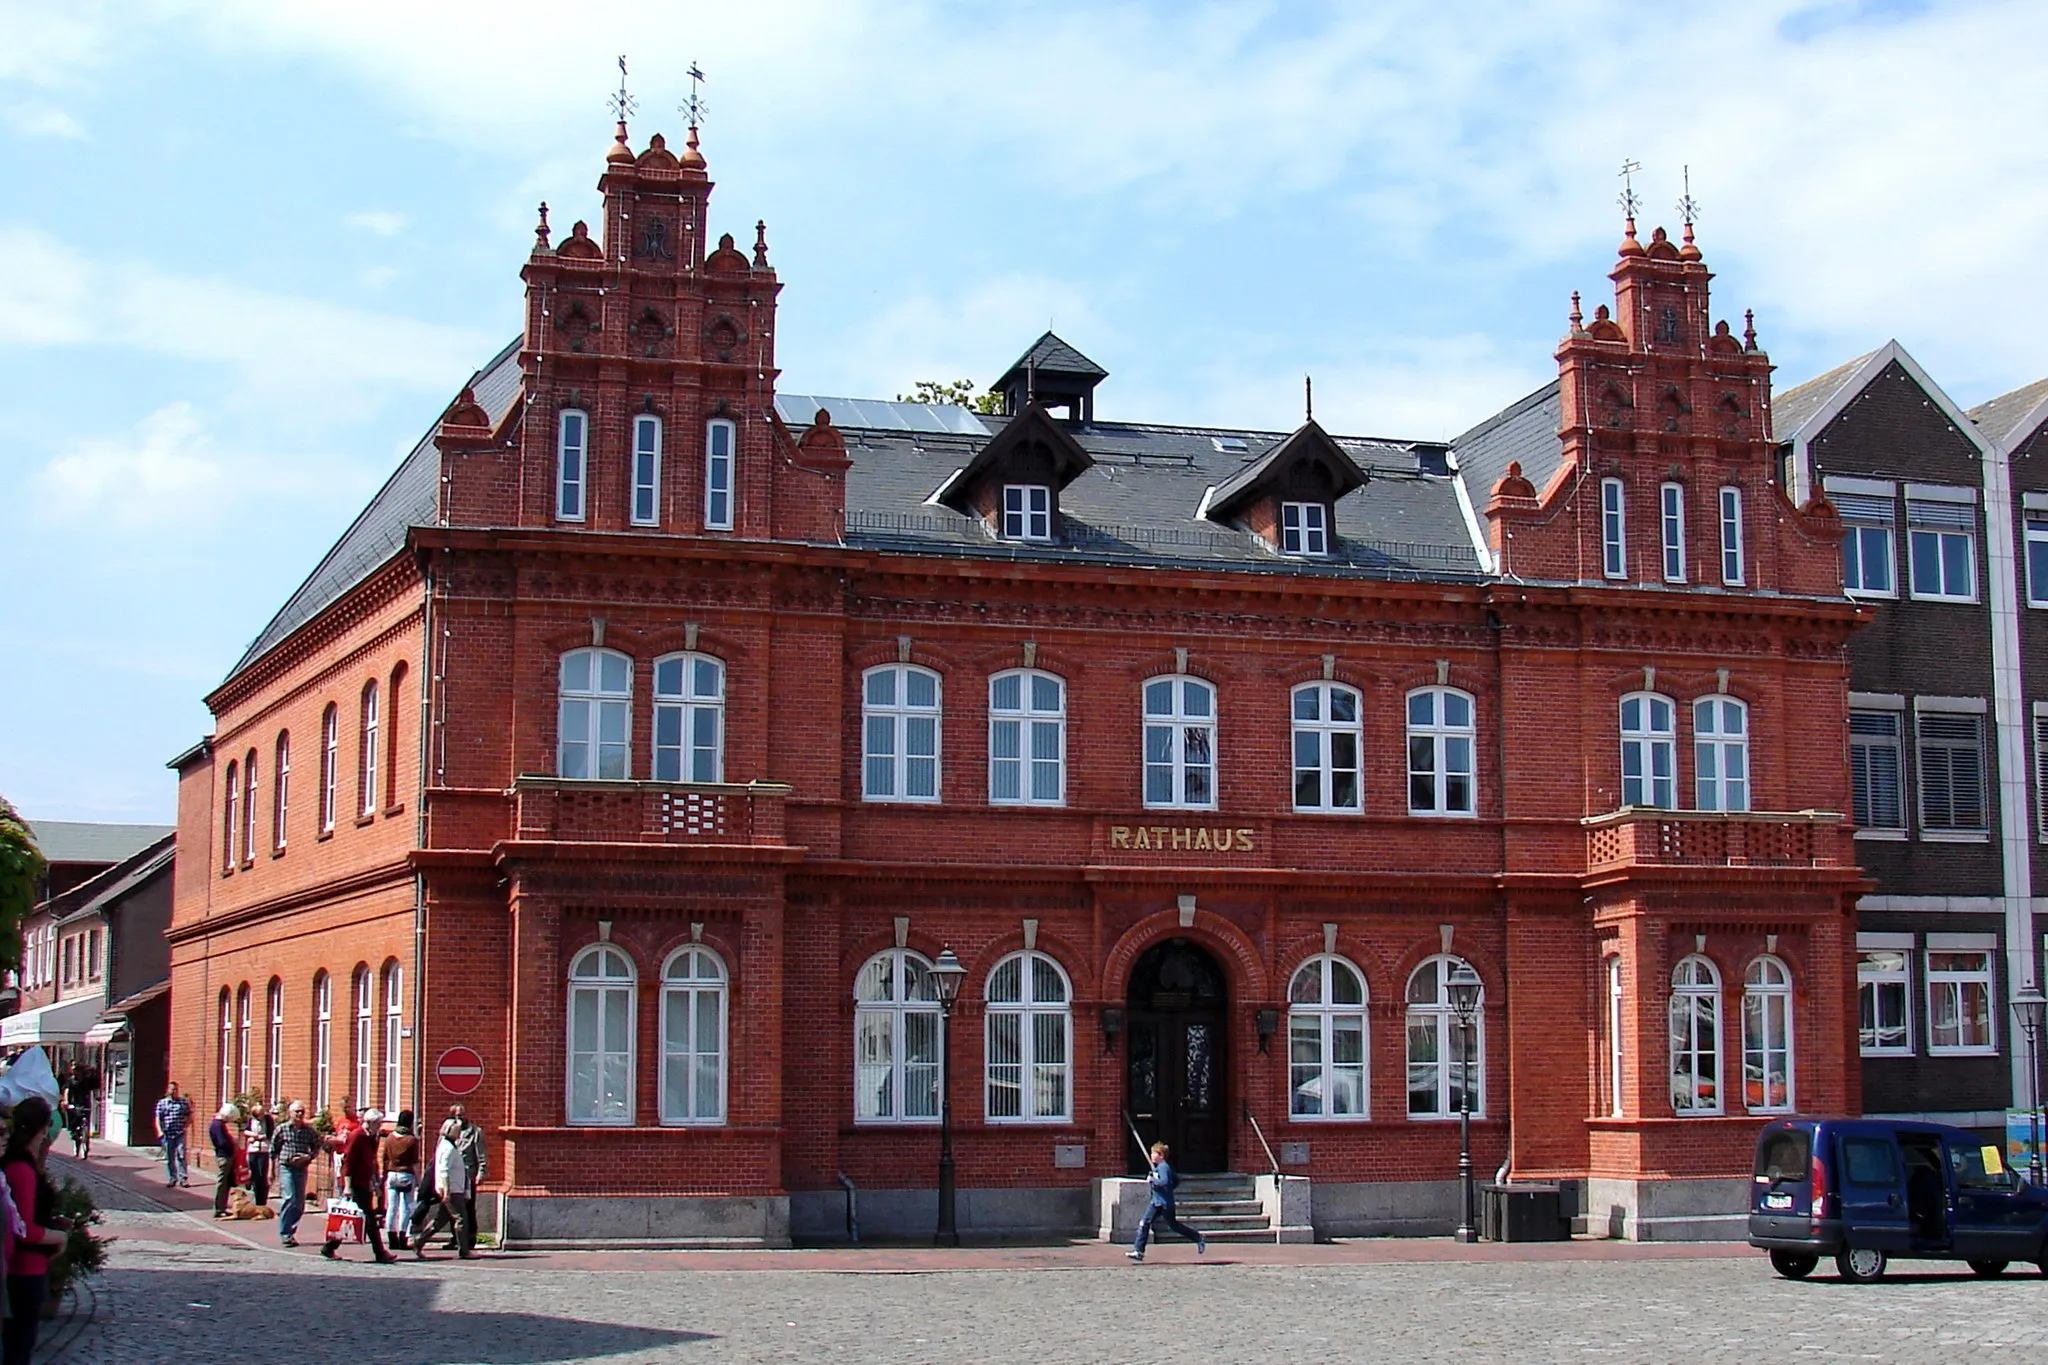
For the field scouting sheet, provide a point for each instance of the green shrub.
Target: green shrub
(85, 1252)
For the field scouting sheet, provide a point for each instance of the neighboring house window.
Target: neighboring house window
(594, 715)
(1617, 1034)
(231, 817)
(601, 1014)
(1671, 519)
(274, 1051)
(249, 811)
(1649, 751)
(2041, 773)
(693, 1037)
(1884, 992)
(720, 436)
(1720, 753)
(394, 1031)
(242, 1040)
(1613, 530)
(900, 734)
(1943, 541)
(1030, 1041)
(1959, 994)
(1327, 744)
(1867, 544)
(281, 793)
(1326, 1041)
(366, 758)
(1444, 1063)
(1877, 770)
(646, 471)
(1304, 529)
(1695, 1038)
(1733, 572)
(1027, 511)
(1767, 1037)
(2037, 558)
(1951, 750)
(896, 1040)
(366, 1007)
(1027, 738)
(572, 450)
(689, 719)
(330, 747)
(1180, 744)
(1441, 739)
(323, 1038)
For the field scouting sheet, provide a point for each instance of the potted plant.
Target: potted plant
(85, 1252)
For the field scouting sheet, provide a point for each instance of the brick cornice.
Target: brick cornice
(342, 888)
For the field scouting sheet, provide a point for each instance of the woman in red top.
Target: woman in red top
(28, 1268)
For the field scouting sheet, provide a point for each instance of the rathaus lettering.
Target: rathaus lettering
(1181, 838)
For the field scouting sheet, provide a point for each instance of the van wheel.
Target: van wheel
(1792, 1265)
(1860, 1265)
(1988, 1269)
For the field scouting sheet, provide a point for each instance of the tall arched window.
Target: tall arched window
(330, 755)
(366, 754)
(1695, 1037)
(1720, 752)
(1767, 1037)
(1027, 738)
(1326, 1041)
(594, 730)
(1444, 1060)
(394, 1032)
(1030, 1041)
(251, 821)
(689, 718)
(1441, 738)
(896, 1040)
(1327, 742)
(1180, 744)
(693, 1037)
(900, 734)
(227, 1046)
(243, 1039)
(366, 1007)
(391, 728)
(231, 817)
(323, 1040)
(281, 792)
(1616, 1037)
(601, 994)
(274, 1051)
(1649, 751)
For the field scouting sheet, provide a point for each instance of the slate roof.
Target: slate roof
(2004, 418)
(1050, 355)
(117, 881)
(79, 841)
(1524, 431)
(1795, 407)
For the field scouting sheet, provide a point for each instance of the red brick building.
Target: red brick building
(652, 731)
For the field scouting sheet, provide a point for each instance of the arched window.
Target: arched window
(330, 753)
(250, 818)
(693, 1037)
(1027, 738)
(391, 728)
(281, 792)
(689, 718)
(323, 1039)
(366, 754)
(1767, 1037)
(1616, 1036)
(227, 1046)
(1180, 744)
(231, 817)
(720, 436)
(601, 1009)
(394, 1031)
(572, 449)
(1441, 738)
(1444, 1060)
(1649, 751)
(896, 1040)
(1720, 752)
(646, 470)
(274, 1051)
(242, 1040)
(1326, 748)
(1695, 1037)
(366, 1005)
(900, 729)
(594, 715)
(1326, 1041)
(1030, 1041)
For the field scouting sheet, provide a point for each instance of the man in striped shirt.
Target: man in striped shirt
(173, 1122)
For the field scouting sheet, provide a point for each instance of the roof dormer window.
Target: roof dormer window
(1027, 511)
(1304, 528)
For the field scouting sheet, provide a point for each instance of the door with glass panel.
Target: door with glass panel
(1175, 1076)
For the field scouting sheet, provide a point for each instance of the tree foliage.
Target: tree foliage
(21, 874)
(958, 394)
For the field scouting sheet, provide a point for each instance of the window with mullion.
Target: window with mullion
(1327, 745)
(1445, 1059)
(280, 795)
(594, 715)
(1030, 1033)
(900, 714)
(366, 754)
(330, 764)
(1720, 749)
(1441, 739)
(1613, 529)
(274, 1052)
(693, 1032)
(1733, 570)
(1942, 550)
(1877, 770)
(602, 991)
(2037, 558)
(231, 817)
(1671, 523)
(1767, 1037)
(1960, 1018)
(572, 450)
(896, 1024)
(1027, 511)
(250, 819)
(1951, 754)
(1304, 529)
(1326, 1041)
(1180, 744)
(689, 718)
(1649, 751)
(720, 438)
(1695, 1038)
(365, 1025)
(1884, 992)
(646, 470)
(1027, 739)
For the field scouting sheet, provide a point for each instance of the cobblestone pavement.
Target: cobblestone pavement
(179, 1289)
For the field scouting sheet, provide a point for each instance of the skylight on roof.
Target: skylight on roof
(1231, 445)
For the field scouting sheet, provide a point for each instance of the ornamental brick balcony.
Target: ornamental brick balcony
(1638, 836)
(577, 811)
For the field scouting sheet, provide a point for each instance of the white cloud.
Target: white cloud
(41, 120)
(43, 291)
(164, 470)
(972, 334)
(378, 222)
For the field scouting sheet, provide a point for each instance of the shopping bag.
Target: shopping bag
(344, 1221)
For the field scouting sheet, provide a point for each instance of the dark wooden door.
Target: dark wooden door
(1175, 1079)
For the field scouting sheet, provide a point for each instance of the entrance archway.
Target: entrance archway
(1175, 1075)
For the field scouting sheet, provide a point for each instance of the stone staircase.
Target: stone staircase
(1224, 1207)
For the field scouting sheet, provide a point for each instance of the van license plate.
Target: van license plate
(1777, 1201)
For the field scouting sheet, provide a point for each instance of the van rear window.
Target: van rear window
(1785, 1155)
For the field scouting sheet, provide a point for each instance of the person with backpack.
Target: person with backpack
(44, 1233)
(1164, 1179)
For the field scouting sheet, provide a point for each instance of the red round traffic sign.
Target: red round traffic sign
(460, 1070)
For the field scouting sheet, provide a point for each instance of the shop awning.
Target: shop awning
(64, 1022)
(106, 1030)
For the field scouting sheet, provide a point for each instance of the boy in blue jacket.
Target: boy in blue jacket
(1163, 1181)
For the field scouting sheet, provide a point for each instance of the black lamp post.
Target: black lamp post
(2029, 1005)
(1464, 988)
(947, 974)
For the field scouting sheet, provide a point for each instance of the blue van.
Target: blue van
(1866, 1191)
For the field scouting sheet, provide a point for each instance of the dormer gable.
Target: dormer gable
(1288, 496)
(1013, 483)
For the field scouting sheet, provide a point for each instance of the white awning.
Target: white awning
(106, 1030)
(64, 1022)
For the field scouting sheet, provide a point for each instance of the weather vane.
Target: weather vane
(1689, 207)
(695, 106)
(1629, 200)
(624, 106)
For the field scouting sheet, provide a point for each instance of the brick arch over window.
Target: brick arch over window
(1071, 956)
(1248, 979)
(1383, 979)
(890, 651)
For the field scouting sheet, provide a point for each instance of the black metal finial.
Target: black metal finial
(695, 106)
(1688, 207)
(623, 105)
(1630, 201)
(1308, 396)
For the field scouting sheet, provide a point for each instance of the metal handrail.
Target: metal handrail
(1248, 1118)
(1136, 1136)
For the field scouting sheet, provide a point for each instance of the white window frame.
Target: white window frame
(604, 972)
(1305, 529)
(1017, 733)
(227, 1046)
(1734, 565)
(1671, 526)
(645, 503)
(1934, 522)
(1321, 733)
(1613, 529)
(1768, 1034)
(243, 1022)
(365, 1021)
(250, 815)
(1869, 520)
(1720, 754)
(572, 464)
(323, 1039)
(2034, 522)
(1644, 744)
(1861, 747)
(1315, 1018)
(1877, 978)
(599, 704)
(691, 975)
(394, 1033)
(721, 456)
(1925, 745)
(1695, 1036)
(281, 794)
(1954, 983)
(231, 816)
(1189, 733)
(1440, 1021)
(1617, 1049)
(366, 757)
(1040, 1026)
(883, 1009)
(274, 1008)
(683, 702)
(897, 719)
(1436, 741)
(330, 763)
(1027, 511)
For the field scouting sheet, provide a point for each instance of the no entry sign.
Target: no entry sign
(460, 1070)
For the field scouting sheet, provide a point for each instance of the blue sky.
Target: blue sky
(251, 247)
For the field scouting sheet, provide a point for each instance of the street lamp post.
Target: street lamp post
(947, 974)
(2029, 1005)
(1464, 988)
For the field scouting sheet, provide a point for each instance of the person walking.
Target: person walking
(359, 1173)
(44, 1233)
(398, 1157)
(298, 1146)
(226, 1156)
(455, 1206)
(258, 1131)
(1164, 1180)
(81, 1087)
(173, 1122)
